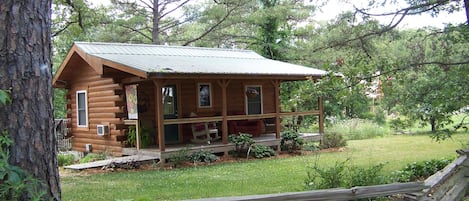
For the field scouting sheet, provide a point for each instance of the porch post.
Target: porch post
(224, 84)
(278, 126)
(321, 115)
(159, 116)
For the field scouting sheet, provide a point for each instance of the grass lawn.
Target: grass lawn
(254, 176)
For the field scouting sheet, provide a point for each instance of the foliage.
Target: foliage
(253, 176)
(144, 134)
(357, 129)
(65, 159)
(400, 124)
(14, 181)
(332, 140)
(291, 141)
(261, 151)
(203, 156)
(420, 170)
(4, 97)
(242, 143)
(311, 146)
(90, 157)
(180, 157)
(343, 174)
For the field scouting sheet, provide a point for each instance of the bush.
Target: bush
(332, 140)
(262, 151)
(65, 159)
(357, 129)
(291, 141)
(342, 174)
(93, 157)
(144, 134)
(420, 170)
(180, 157)
(399, 124)
(203, 156)
(242, 143)
(311, 146)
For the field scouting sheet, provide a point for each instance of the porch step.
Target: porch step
(119, 160)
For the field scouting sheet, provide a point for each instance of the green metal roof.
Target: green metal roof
(193, 60)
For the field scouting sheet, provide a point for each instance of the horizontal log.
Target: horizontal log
(444, 174)
(336, 194)
(103, 104)
(102, 93)
(104, 109)
(104, 87)
(104, 99)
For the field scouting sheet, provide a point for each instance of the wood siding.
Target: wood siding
(106, 105)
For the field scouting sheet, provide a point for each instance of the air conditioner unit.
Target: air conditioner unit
(102, 130)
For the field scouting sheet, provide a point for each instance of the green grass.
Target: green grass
(254, 176)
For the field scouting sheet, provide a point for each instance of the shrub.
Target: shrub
(203, 156)
(311, 146)
(342, 174)
(332, 140)
(65, 159)
(359, 176)
(242, 143)
(420, 170)
(400, 124)
(93, 157)
(291, 141)
(325, 177)
(261, 151)
(180, 157)
(144, 134)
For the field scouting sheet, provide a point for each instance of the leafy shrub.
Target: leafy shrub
(311, 146)
(359, 176)
(332, 140)
(325, 177)
(420, 170)
(357, 129)
(144, 134)
(261, 151)
(203, 156)
(400, 124)
(15, 183)
(65, 159)
(180, 157)
(342, 174)
(291, 141)
(242, 143)
(93, 157)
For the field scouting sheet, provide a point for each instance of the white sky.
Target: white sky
(334, 7)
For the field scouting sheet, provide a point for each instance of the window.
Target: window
(254, 99)
(82, 109)
(204, 91)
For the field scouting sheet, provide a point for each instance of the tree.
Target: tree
(26, 71)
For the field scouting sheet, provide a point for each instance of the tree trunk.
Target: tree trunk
(466, 5)
(433, 124)
(26, 70)
(155, 34)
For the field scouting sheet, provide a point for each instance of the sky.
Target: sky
(334, 7)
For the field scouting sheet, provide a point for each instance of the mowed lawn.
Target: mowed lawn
(262, 176)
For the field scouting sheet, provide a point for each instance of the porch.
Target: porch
(214, 147)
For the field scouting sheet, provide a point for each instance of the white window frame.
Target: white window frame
(85, 125)
(210, 95)
(260, 94)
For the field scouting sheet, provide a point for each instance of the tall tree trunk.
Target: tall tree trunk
(433, 124)
(466, 5)
(155, 34)
(26, 70)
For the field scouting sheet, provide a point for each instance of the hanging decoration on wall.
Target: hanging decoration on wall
(132, 102)
(251, 93)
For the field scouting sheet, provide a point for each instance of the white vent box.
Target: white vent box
(102, 130)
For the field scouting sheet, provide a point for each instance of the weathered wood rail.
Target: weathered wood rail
(448, 184)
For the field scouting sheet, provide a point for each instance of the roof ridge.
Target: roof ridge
(164, 46)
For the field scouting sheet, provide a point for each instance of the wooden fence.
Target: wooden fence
(62, 134)
(448, 184)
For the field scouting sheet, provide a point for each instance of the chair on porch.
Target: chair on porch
(204, 132)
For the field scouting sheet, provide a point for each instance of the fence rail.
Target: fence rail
(447, 184)
(61, 132)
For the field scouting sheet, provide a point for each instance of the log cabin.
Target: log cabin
(173, 93)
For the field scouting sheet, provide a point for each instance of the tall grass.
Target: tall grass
(358, 129)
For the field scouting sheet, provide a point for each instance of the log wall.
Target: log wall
(106, 105)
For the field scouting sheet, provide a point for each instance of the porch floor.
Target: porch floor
(214, 147)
